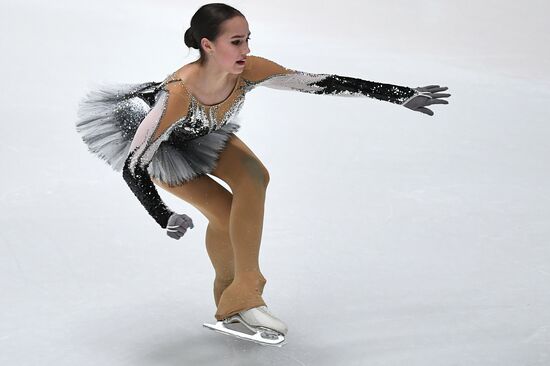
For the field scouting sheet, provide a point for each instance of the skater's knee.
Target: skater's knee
(252, 174)
(239, 166)
(256, 170)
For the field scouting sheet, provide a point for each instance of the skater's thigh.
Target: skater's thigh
(207, 195)
(237, 164)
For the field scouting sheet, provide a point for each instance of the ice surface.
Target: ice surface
(390, 237)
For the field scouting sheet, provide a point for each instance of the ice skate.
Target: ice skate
(257, 325)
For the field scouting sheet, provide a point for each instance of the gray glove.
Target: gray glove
(424, 96)
(177, 225)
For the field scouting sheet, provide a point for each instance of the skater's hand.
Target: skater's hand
(178, 225)
(426, 97)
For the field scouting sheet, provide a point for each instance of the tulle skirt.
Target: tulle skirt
(109, 115)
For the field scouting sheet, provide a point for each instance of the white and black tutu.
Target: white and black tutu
(109, 116)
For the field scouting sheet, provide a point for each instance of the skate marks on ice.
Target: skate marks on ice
(234, 326)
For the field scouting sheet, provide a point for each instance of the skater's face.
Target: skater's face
(231, 45)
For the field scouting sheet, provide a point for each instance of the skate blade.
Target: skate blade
(265, 337)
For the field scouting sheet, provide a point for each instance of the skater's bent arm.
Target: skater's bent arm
(146, 141)
(261, 71)
(143, 188)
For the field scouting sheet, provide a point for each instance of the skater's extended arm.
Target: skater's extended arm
(150, 133)
(261, 71)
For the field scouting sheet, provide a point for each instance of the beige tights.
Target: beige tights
(235, 226)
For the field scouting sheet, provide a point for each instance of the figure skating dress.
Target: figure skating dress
(160, 130)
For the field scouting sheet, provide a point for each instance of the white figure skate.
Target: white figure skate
(257, 325)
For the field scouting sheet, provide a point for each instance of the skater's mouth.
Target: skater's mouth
(241, 62)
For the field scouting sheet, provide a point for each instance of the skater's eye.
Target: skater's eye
(237, 42)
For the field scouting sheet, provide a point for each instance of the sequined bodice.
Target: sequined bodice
(202, 119)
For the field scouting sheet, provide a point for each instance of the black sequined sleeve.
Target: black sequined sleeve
(142, 149)
(344, 85)
(275, 76)
(143, 188)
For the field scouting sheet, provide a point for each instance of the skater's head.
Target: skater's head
(220, 33)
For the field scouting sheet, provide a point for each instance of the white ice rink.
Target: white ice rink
(391, 238)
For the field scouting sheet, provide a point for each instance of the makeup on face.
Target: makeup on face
(242, 61)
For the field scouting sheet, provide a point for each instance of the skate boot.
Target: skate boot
(261, 317)
(256, 325)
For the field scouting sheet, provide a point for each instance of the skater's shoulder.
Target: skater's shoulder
(175, 89)
(258, 68)
(173, 105)
(176, 100)
(173, 85)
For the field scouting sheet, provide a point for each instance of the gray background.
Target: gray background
(390, 237)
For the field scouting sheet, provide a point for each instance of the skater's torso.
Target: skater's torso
(192, 114)
(188, 74)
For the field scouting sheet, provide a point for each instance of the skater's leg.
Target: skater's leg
(248, 180)
(214, 201)
(218, 246)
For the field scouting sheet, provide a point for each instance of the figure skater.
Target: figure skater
(176, 132)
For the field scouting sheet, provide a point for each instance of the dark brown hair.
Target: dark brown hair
(206, 23)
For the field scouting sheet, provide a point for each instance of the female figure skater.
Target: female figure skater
(175, 132)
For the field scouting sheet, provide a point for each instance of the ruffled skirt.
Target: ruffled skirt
(109, 116)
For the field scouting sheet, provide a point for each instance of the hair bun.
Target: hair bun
(189, 39)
